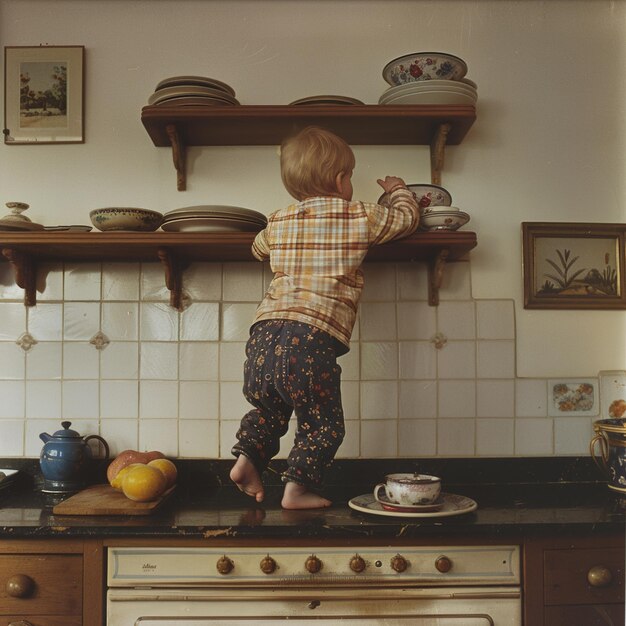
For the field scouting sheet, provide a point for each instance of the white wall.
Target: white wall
(548, 144)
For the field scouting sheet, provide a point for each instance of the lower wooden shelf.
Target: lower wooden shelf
(176, 251)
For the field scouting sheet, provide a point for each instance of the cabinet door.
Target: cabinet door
(566, 576)
(40, 584)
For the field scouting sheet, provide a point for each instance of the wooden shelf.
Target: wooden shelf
(266, 125)
(177, 250)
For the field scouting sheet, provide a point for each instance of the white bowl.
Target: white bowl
(438, 208)
(425, 195)
(443, 220)
(125, 218)
(424, 66)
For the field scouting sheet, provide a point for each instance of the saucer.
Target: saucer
(388, 505)
(451, 504)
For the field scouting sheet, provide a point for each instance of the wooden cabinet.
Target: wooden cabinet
(574, 582)
(50, 583)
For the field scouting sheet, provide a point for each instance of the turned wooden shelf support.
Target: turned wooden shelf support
(25, 270)
(435, 276)
(179, 156)
(437, 152)
(173, 276)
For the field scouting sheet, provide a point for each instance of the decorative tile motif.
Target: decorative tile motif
(26, 341)
(439, 340)
(100, 341)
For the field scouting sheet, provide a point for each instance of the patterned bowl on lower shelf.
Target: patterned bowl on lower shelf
(126, 218)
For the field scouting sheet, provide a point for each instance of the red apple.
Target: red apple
(126, 457)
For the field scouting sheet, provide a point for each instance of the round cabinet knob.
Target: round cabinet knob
(599, 576)
(225, 565)
(399, 563)
(313, 564)
(20, 586)
(268, 565)
(443, 564)
(357, 564)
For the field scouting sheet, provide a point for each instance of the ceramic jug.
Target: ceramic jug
(65, 459)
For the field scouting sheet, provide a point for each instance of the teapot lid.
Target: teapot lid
(67, 432)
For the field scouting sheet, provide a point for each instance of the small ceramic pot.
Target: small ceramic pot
(409, 489)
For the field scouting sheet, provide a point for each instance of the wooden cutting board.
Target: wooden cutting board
(104, 500)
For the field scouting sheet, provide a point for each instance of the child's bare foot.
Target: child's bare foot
(299, 497)
(247, 479)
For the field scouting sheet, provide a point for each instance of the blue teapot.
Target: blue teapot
(65, 459)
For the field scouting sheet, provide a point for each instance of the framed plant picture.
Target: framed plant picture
(573, 265)
(43, 94)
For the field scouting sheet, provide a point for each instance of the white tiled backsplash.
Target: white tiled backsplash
(104, 349)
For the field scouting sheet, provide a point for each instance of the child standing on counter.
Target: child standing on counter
(315, 248)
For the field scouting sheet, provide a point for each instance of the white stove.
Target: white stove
(368, 586)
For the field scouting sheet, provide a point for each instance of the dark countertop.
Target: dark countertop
(516, 497)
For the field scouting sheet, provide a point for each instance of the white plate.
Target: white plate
(388, 505)
(452, 505)
(189, 90)
(217, 209)
(431, 97)
(186, 101)
(76, 228)
(203, 81)
(430, 84)
(209, 224)
(328, 100)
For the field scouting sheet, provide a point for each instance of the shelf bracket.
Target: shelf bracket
(437, 152)
(179, 157)
(25, 270)
(435, 276)
(174, 268)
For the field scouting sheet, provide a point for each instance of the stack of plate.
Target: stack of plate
(193, 91)
(434, 91)
(213, 218)
(324, 101)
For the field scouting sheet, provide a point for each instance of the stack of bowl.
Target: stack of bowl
(435, 204)
(193, 91)
(428, 78)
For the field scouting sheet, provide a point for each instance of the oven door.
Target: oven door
(460, 606)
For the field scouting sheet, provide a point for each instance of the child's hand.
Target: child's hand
(390, 183)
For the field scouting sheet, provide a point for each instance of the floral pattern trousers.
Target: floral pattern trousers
(291, 367)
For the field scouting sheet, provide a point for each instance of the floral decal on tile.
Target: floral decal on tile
(572, 397)
(439, 340)
(100, 341)
(26, 341)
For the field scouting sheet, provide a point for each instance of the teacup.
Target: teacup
(409, 489)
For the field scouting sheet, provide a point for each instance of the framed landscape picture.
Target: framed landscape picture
(43, 94)
(573, 265)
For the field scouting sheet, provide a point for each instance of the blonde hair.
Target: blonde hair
(311, 160)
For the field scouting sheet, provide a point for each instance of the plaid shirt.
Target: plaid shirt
(316, 248)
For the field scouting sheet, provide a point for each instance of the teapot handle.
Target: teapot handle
(102, 441)
(602, 463)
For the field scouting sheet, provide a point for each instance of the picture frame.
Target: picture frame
(44, 94)
(573, 397)
(573, 265)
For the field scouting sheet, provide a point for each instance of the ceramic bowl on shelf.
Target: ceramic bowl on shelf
(125, 218)
(424, 66)
(443, 220)
(426, 195)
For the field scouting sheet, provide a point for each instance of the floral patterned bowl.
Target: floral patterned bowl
(126, 218)
(443, 220)
(424, 66)
(426, 196)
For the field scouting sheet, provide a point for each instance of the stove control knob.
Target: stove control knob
(225, 565)
(313, 565)
(443, 564)
(357, 564)
(268, 565)
(399, 563)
